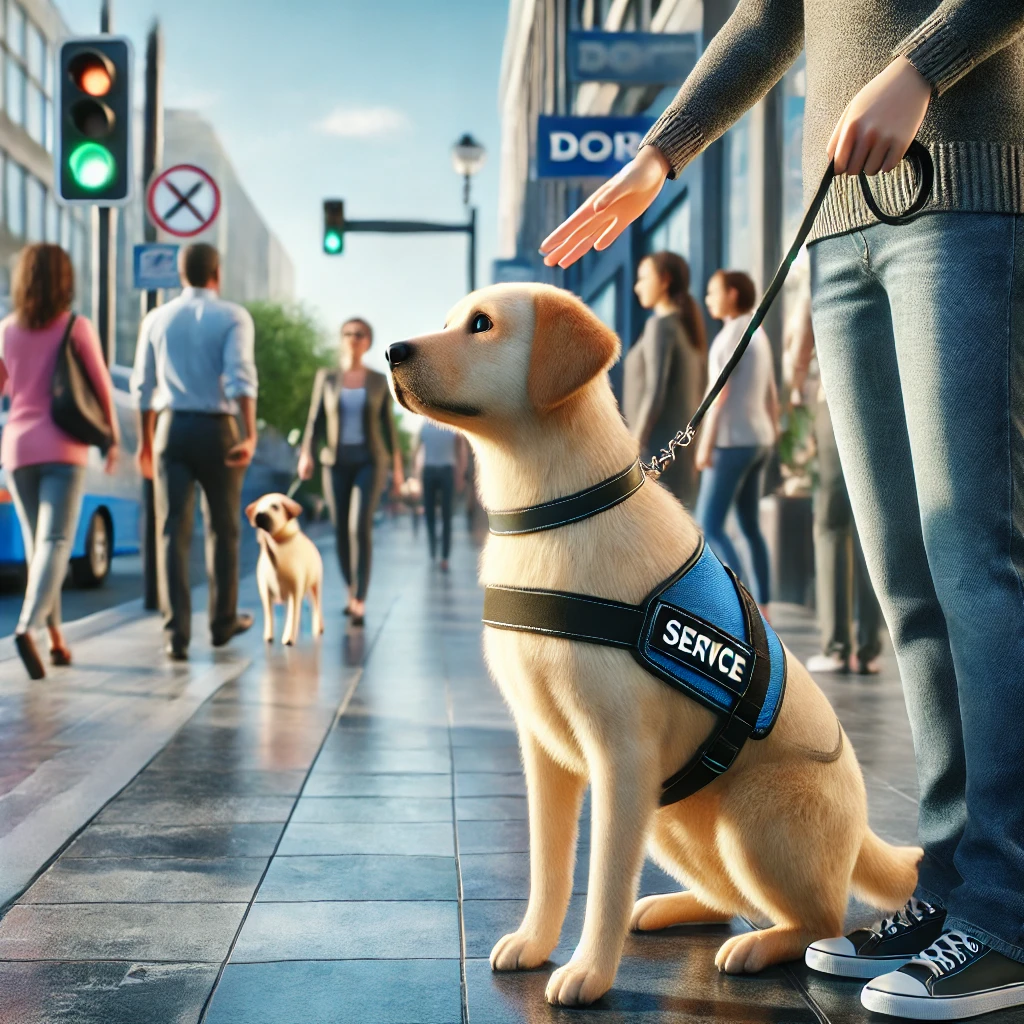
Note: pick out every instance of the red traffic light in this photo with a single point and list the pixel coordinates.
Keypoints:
(92, 73)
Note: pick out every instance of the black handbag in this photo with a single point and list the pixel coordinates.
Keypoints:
(74, 404)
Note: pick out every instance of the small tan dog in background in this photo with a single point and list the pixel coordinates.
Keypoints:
(289, 567)
(782, 836)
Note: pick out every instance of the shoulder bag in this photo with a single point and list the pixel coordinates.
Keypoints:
(74, 404)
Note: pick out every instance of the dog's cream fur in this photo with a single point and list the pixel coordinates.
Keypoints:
(783, 836)
(289, 567)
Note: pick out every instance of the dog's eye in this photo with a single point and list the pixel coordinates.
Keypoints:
(275, 506)
(480, 323)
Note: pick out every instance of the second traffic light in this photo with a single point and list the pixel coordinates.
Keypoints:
(93, 150)
(334, 227)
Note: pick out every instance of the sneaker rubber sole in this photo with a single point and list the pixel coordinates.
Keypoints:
(942, 1007)
(863, 967)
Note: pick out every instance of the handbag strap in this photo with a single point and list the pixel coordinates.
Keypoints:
(66, 340)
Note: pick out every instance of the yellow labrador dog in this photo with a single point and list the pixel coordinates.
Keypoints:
(289, 567)
(783, 835)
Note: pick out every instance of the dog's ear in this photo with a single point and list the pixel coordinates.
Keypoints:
(570, 348)
(250, 513)
(292, 507)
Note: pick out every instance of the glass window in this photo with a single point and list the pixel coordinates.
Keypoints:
(53, 212)
(672, 232)
(48, 125)
(15, 92)
(35, 114)
(36, 53)
(66, 216)
(794, 90)
(35, 210)
(15, 189)
(739, 254)
(605, 303)
(16, 28)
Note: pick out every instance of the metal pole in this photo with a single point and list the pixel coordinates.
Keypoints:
(152, 158)
(472, 248)
(153, 143)
(106, 270)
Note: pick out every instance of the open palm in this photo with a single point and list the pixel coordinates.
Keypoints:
(609, 211)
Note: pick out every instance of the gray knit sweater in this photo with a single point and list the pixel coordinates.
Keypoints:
(971, 51)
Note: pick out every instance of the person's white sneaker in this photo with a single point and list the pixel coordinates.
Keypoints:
(954, 978)
(827, 663)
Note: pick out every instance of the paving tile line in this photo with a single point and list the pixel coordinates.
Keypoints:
(463, 982)
(342, 708)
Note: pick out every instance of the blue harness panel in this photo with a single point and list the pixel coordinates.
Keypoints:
(695, 637)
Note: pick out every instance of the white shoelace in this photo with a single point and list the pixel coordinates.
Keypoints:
(913, 913)
(949, 952)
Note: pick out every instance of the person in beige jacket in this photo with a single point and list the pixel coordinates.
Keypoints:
(351, 415)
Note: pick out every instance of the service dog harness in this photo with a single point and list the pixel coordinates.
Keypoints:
(700, 631)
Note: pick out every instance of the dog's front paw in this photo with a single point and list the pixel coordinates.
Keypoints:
(578, 983)
(519, 951)
(268, 638)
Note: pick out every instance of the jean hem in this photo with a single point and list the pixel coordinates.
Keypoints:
(993, 941)
(927, 896)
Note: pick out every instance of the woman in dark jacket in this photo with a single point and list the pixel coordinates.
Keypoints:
(665, 371)
(351, 414)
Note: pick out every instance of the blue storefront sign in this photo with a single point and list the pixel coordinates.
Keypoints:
(587, 147)
(156, 266)
(512, 272)
(631, 58)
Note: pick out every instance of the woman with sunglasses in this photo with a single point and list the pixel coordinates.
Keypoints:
(351, 415)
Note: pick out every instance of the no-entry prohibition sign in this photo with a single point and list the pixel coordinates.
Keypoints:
(183, 200)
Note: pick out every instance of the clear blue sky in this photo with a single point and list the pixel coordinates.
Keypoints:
(361, 100)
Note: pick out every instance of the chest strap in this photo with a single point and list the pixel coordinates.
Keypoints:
(615, 624)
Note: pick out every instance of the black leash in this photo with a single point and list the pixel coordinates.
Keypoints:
(918, 155)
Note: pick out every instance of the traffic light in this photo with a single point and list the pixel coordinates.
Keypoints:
(334, 227)
(93, 147)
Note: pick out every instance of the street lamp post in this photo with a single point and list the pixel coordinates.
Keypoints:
(467, 158)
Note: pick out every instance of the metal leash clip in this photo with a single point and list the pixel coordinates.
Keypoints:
(666, 455)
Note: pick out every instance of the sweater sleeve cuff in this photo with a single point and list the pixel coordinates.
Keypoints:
(938, 53)
(678, 137)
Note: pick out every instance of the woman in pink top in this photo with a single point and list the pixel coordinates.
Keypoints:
(45, 466)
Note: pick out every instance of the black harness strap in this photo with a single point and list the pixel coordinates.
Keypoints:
(569, 509)
(722, 748)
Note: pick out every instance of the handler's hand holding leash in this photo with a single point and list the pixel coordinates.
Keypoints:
(877, 130)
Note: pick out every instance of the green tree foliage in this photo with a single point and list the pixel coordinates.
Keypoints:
(290, 348)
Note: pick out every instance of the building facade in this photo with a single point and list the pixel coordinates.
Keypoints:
(29, 31)
(735, 206)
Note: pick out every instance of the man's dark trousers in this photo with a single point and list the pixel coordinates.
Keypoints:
(189, 448)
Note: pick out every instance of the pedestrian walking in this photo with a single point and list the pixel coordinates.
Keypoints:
(665, 371)
(194, 375)
(45, 465)
(739, 433)
(441, 455)
(920, 338)
(352, 416)
(844, 590)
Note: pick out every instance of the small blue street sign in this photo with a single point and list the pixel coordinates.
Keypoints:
(587, 147)
(156, 266)
(631, 58)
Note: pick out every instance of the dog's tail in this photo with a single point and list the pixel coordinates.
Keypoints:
(885, 876)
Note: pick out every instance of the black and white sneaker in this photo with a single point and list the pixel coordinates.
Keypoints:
(870, 952)
(955, 977)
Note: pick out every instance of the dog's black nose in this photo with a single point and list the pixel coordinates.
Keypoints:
(398, 353)
(263, 521)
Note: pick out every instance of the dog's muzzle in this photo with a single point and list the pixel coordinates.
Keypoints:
(263, 521)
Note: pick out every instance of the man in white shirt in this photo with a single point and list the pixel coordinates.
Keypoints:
(194, 374)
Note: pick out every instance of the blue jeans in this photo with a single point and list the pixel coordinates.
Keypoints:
(920, 337)
(735, 476)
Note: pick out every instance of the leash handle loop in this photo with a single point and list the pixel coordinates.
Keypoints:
(917, 154)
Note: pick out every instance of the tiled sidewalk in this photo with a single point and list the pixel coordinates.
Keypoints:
(279, 863)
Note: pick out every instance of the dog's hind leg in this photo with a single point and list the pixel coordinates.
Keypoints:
(554, 797)
(668, 909)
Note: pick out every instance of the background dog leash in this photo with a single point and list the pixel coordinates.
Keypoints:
(918, 155)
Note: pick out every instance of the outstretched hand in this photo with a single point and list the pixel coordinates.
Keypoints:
(609, 211)
(881, 121)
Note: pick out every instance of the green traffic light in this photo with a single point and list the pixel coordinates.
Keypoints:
(332, 242)
(92, 166)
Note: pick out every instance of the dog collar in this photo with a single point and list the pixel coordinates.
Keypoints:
(570, 509)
